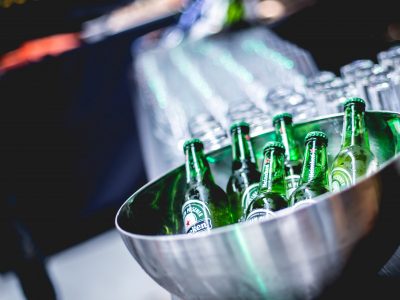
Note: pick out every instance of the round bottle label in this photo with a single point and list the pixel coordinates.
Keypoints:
(292, 182)
(340, 179)
(260, 214)
(196, 216)
(249, 195)
(303, 203)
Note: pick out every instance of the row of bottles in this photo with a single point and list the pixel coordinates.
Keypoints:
(286, 179)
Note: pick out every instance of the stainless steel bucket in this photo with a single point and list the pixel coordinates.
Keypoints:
(299, 254)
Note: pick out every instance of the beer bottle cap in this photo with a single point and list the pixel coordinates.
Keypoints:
(195, 142)
(274, 145)
(321, 136)
(285, 116)
(239, 124)
(354, 100)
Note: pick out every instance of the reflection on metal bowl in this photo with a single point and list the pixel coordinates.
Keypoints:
(298, 254)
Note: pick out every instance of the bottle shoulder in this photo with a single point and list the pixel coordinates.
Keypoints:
(195, 191)
(246, 169)
(355, 148)
(269, 200)
(271, 195)
(354, 153)
(203, 190)
(240, 178)
(307, 191)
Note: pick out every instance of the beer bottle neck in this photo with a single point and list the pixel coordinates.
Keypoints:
(197, 167)
(315, 164)
(242, 150)
(273, 173)
(355, 132)
(284, 134)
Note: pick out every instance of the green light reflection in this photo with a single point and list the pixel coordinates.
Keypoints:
(212, 159)
(394, 125)
(226, 60)
(155, 82)
(185, 66)
(246, 254)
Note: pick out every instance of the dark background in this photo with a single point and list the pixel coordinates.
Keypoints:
(70, 153)
(69, 146)
(38, 18)
(337, 32)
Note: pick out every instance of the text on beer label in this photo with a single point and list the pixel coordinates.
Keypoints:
(249, 194)
(340, 179)
(196, 216)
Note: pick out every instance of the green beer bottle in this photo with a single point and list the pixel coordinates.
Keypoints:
(205, 205)
(243, 183)
(272, 186)
(283, 124)
(235, 12)
(355, 158)
(314, 174)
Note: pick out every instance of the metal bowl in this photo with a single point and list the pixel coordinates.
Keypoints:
(299, 254)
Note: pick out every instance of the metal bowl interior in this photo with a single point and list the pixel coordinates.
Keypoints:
(297, 254)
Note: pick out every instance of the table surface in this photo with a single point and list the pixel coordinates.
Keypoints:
(100, 268)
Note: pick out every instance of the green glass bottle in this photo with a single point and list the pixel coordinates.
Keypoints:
(235, 12)
(243, 183)
(355, 158)
(283, 124)
(314, 174)
(205, 205)
(272, 187)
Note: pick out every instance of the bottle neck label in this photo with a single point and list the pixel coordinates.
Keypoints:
(196, 216)
(260, 214)
(303, 203)
(249, 195)
(292, 182)
(341, 178)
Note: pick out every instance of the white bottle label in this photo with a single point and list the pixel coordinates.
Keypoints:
(196, 216)
(260, 214)
(303, 203)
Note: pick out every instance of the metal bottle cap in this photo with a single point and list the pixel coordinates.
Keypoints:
(321, 136)
(285, 115)
(354, 100)
(195, 142)
(241, 124)
(274, 145)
